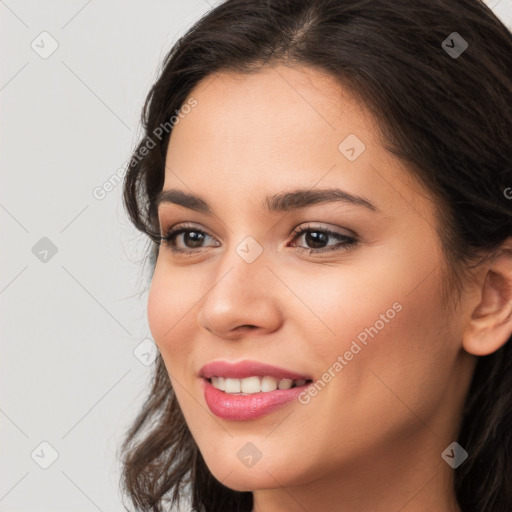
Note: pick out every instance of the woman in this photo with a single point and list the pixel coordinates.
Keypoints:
(326, 188)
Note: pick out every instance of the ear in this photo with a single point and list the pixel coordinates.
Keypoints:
(490, 325)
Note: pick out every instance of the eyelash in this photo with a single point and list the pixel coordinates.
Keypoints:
(346, 241)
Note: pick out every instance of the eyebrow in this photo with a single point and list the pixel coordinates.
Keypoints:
(283, 202)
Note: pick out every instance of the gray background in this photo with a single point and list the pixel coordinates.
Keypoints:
(76, 350)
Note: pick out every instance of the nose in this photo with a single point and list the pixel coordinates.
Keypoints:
(241, 297)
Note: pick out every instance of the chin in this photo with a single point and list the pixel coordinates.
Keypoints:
(262, 475)
(244, 480)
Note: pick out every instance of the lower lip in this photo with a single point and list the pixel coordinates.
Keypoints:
(247, 407)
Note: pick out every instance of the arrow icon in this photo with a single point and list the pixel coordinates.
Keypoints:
(454, 45)
(249, 455)
(44, 44)
(249, 253)
(454, 455)
(146, 352)
(44, 250)
(351, 147)
(44, 455)
(451, 455)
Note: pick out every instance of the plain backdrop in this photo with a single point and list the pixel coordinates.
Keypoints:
(76, 350)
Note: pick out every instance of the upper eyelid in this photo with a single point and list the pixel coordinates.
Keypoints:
(295, 232)
(192, 225)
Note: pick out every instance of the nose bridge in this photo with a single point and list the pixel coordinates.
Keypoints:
(244, 262)
(240, 271)
(241, 292)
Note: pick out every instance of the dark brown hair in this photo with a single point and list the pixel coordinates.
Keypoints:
(447, 117)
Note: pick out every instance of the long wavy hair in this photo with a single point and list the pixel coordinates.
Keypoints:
(448, 117)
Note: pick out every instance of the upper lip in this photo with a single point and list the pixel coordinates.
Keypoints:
(243, 369)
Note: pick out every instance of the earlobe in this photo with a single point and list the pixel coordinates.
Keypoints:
(490, 325)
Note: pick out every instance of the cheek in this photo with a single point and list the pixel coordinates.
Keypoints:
(337, 307)
(159, 309)
(385, 321)
(170, 300)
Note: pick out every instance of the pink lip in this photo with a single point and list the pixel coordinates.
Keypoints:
(247, 407)
(251, 406)
(247, 368)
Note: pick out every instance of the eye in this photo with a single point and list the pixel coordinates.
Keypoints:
(187, 239)
(190, 237)
(318, 237)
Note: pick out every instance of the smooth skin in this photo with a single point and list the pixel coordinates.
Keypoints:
(372, 438)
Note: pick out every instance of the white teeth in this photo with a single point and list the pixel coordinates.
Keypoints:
(268, 384)
(250, 385)
(219, 383)
(285, 384)
(232, 386)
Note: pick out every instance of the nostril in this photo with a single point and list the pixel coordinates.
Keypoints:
(244, 327)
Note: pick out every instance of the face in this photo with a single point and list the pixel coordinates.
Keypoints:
(343, 291)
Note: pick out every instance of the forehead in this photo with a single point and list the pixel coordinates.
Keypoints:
(277, 105)
(272, 120)
(251, 135)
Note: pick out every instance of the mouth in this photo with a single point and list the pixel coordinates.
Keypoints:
(248, 389)
(254, 384)
(237, 405)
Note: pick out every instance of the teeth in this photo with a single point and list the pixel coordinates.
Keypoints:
(219, 383)
(268, 384)
(251, 385)
(232, 386)
(285, 384)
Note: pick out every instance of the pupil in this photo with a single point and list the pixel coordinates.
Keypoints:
(194, 237)
(315, 237)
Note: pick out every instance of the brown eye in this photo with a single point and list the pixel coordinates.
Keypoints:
(317, 240)
(185, 239)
